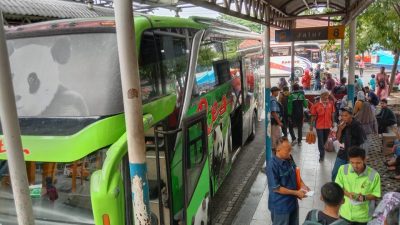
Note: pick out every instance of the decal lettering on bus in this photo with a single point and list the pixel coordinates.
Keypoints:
(216, 110)
(3, 150)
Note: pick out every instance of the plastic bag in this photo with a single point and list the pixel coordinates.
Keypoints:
(311, 138)
(336, 145)
(329, 147)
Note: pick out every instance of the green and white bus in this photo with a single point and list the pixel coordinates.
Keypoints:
(199, 84)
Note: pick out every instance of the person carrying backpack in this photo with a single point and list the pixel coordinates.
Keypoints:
(333, 197)
(284, 99)
(296, 103)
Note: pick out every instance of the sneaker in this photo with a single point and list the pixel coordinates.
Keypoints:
(321, 160)
(294, 142)
(299, 143)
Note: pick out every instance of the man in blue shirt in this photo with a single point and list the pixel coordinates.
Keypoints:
(282, 185)
(276, 117)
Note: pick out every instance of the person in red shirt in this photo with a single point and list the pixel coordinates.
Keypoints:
(322, 114)
(306, 80)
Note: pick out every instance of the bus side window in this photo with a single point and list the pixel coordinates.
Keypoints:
(148, 68)
(206, 78)
(174, 53)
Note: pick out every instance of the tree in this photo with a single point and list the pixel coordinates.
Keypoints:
(382, 25)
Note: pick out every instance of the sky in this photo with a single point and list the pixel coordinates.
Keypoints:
(187, 12)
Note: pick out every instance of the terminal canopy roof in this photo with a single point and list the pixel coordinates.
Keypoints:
(283, 12)
(277, 13)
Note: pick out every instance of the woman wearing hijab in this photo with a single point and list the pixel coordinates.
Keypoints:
(359, 102)
(367, 119)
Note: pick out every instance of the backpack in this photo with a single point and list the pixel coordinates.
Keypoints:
(273, 121)
(314, 219)
(297, 112)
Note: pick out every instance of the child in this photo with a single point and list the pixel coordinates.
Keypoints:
(333, 197)
(51, 191)
(372, 82)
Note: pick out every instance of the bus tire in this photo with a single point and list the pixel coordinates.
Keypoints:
(253, 126)
(298, 71)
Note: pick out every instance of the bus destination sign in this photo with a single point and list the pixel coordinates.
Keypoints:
(309, 34)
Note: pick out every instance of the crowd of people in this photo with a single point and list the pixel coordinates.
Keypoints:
(350, 196)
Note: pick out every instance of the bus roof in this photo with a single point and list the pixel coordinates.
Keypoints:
(155, 21)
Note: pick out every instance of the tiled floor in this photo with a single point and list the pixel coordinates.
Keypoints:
(313, 173)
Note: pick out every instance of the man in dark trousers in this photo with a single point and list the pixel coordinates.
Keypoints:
(282, 185)
(323, 114)
(283, 99)
(350, 133)
(385, 117)
(296, 103)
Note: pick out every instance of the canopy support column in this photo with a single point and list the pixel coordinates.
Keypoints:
(292, 51)
(12, 136)
(132, 97)
(267, 92)
(352, 56)
(341, 58)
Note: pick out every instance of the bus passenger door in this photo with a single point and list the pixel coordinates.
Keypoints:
(246, 98)
(195, 171)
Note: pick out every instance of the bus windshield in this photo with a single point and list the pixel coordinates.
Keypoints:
(66, 75)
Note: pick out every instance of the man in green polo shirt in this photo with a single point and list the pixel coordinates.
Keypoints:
(361, 185)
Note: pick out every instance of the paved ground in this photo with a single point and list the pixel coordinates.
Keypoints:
(243, 197)
(254, 209)
(236, 186)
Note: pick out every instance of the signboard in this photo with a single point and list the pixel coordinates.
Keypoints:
(309, 34)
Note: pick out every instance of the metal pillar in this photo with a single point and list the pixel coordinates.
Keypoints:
(12, 136)
(292, 51)
(131, 91)
(267, 92)
(292, 64)
(341, 58)
(352, 57)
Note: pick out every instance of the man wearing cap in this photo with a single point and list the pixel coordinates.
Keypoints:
(276, 117)
(350, 133)
(323, 114)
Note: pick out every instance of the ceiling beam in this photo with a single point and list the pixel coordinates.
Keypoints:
(252, 11)
(306, 4)
(310, 16)
(301, 8)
